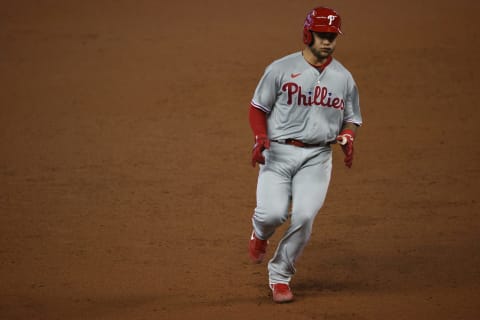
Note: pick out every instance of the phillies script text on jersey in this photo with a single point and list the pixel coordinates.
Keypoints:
(320, 97)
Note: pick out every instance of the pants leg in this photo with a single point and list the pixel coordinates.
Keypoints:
(309, 189)
(273, 199)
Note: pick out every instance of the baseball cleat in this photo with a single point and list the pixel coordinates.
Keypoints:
(257, 248)
(281, 292)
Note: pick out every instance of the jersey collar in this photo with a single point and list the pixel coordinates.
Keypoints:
(323, 65)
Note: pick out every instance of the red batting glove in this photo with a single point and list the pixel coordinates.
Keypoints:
(261, 143)
(345, 139)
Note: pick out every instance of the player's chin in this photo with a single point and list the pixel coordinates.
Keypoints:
(326, 52)
(323, 54)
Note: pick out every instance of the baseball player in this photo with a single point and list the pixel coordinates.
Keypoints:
(304, 103)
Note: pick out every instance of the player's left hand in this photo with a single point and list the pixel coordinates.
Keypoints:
(261, 143)
(345, 139)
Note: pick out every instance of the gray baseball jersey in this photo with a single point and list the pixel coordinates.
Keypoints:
(305, 104)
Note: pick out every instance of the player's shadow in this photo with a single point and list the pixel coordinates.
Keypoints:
(309, 287)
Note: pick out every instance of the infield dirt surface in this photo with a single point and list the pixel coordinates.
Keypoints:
(126, 186)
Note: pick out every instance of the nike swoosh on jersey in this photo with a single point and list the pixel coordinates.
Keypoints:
(294, 75)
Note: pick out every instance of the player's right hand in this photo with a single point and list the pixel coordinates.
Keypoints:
(261, 143)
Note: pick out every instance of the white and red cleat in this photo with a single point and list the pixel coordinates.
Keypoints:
(281, 292)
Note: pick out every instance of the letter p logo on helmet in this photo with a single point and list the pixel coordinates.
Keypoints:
(331, 18)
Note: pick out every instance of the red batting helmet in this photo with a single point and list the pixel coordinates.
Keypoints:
(321, 19)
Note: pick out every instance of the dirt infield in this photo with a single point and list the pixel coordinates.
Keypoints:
(126, 187)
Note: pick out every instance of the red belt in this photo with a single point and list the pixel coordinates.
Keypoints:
(299, 143)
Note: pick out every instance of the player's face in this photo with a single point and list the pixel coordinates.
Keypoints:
(324, 44)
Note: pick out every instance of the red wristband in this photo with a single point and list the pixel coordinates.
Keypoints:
(348, 131)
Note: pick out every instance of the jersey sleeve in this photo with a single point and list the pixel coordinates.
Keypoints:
(352, 112)
(266, 91)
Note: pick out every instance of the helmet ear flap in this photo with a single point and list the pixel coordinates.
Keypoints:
(307, 37)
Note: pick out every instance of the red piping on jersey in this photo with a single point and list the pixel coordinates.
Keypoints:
(258, 121)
